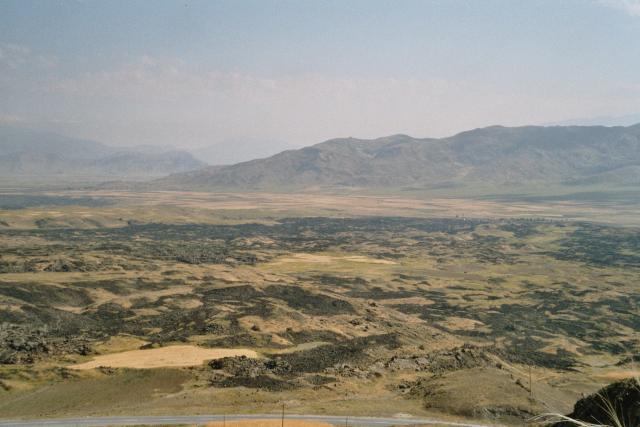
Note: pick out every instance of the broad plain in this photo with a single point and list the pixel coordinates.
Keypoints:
(125, 302)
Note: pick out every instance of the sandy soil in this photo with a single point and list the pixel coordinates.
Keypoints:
(172, 356)
(461, 324)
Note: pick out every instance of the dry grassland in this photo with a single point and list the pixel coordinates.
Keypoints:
(172, 356)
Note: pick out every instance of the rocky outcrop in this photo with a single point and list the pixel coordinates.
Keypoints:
(24, 346)
(242, 366)
(464, 357)
(617, 404)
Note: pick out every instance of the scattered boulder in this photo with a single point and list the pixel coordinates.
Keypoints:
(22, 348)
(242, 366)
(349, 371)
(22, 345)
(354, 352)
(69, 265)
(464, 357)
(241, 371)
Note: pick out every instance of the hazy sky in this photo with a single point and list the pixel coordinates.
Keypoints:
(191, 73)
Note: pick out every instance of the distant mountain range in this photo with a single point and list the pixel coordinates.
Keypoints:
(231, 151)
(497, 156)
(574, 156)
(626, 120)
(26, 153)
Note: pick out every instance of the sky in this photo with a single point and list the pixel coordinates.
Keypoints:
(198, 73)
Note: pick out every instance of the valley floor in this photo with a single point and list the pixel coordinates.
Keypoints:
(124, 303)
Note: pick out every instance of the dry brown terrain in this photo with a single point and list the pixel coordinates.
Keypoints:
(165, 357)
(355, 305)
(235, 208)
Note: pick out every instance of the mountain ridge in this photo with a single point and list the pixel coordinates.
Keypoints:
(496, 155)
(34, 153)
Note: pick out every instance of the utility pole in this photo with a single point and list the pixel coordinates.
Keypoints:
(530, 384)
(224, 420)
(282, 423)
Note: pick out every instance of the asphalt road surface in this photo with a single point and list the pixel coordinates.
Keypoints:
(202, 419)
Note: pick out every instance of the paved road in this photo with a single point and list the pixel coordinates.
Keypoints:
(201, 419)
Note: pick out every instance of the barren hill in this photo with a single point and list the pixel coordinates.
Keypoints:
(501, 156)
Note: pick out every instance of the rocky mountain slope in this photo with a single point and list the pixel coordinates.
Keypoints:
(499, 156)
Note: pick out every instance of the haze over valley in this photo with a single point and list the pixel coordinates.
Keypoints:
(261, 213)
(26, 154)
